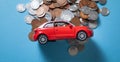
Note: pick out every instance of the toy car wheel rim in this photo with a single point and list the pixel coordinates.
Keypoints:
(82, 36)
(42, 39)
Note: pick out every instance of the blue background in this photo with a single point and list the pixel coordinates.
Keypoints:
(16, 47)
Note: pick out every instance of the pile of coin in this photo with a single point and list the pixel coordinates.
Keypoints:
(78, 12)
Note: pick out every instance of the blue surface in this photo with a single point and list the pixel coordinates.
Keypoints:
(16, 47)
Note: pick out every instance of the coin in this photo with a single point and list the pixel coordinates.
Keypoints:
(77, 1)
(30, 36)
(40, 2)
(20, 8)
(52, 6)
(46, 8)
(61, 2)
(48, 16)
(73, 50)
(34, 4)
(40, 12)
(30, 10)
(84, 2)
(57, 12)
(56, 4)
(104, 11)
(93, 15)
(102, 2)
(75, 21)
(28, 19)
(85, 9)
(84, 16)
(93, 5)
(66, 15)
(92, 24)
(83, 22)
(73, 7)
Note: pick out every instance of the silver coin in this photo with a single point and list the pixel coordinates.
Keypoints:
(102, 2)
(92, 24)
(66, 15)
(48, 16)
(34, 4)
(77, 1)
(73, 50)
(85, 10)
(28, 19)
(93, 15)
(104, 11)
(41, 15)
(40, 2)
(20, 8)
(30, 10)
(73, 7)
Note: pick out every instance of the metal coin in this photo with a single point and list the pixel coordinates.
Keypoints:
(28, 19)
(83, 22)
(85, 10)
(29, 9)
(93, 15)
(92, 24)
(48, 16)
(77, 1)
(73, 7)
(73, 50)
(102, 2)
(104, 11)
(75, 21)
(40, 2)
(40, 12)
(66, 15)
(57, 12)
(93, 5)
(34, 4)
(20, 8)
(84, 16)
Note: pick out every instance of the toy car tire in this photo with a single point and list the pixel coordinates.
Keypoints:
(82, 36)
(42, 39)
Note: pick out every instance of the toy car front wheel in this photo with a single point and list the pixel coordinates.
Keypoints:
(82, 35)
(42, 39)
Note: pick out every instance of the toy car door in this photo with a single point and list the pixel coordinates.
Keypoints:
(63, 30)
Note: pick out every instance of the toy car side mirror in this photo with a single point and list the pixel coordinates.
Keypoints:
(70, 26)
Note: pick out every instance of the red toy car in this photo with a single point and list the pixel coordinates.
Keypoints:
(59, 30)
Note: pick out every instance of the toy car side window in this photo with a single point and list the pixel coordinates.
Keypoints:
(60, 24)
(48, 25)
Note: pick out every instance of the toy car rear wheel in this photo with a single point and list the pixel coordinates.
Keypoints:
(42, 39)
(82, 35)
